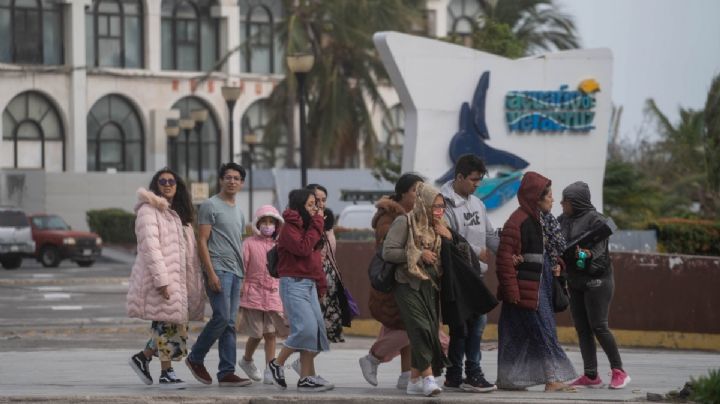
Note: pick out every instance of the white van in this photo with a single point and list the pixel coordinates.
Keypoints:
(355, 222)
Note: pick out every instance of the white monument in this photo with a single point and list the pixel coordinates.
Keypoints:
(548, 113)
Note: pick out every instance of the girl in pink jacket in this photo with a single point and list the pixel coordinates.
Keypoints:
(261, 311)
(165, 284)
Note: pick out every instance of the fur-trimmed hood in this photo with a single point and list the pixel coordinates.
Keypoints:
(387, 206)
(149, 197)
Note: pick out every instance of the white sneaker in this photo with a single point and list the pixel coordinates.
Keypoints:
(249, 368)
(321, 381)
(267, 376)
(403, 380)
(415, 388)
(296, 366)
(430, 387)
(368, 366)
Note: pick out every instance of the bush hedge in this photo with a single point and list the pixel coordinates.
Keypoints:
(113, 225)
(687, 236)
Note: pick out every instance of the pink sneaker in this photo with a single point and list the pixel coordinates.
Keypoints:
(619, 380)
(585, 381)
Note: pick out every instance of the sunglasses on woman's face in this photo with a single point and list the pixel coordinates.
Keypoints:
(166, 182)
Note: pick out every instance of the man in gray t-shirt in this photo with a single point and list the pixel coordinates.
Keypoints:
(220, 228)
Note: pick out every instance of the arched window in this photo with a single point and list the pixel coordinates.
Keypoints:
(462, 17)
(115, 136)
(33, 134)
(393, 129)
(189, 35)
(195, 153)
(31, 32)
(114, 33)
(271, 147)
(261, 51)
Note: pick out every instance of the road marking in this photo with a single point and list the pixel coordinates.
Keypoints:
(43, 276)
(49, 288)
(65, 308)
(56, 296)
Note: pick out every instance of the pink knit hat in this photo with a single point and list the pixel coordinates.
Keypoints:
(265, 211)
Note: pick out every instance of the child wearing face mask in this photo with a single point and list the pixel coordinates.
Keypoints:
(261, 311)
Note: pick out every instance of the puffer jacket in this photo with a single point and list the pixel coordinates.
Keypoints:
(522, 235)
(260, 291)
(382, 305)
(166, 256)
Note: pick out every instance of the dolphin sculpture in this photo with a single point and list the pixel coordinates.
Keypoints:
(472, 133)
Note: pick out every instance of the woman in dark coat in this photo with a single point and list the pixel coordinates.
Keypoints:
(528, 349)
(591, 288)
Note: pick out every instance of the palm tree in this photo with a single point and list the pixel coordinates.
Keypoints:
(342, 88)
(538, 24)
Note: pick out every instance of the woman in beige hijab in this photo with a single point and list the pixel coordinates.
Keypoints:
(413, 243)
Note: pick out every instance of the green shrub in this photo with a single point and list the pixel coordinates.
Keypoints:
(706, 389)
(113, 225)
(687, 236)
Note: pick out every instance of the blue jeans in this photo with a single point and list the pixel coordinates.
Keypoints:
(465, 341)
(221, 326)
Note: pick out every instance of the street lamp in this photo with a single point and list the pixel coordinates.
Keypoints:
(251, 141)
(231, 95)
(199, 116)
(186, 125)
(301, 64)
(172, 128)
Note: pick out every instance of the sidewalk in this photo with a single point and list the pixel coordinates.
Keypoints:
(102, 375)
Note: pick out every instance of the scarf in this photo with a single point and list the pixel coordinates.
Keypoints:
(553, 238)
(421, 233)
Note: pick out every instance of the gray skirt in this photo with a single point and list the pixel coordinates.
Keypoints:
(303, 314)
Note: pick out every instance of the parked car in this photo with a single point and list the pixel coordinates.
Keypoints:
(15, 237)
(355, 223)
(56, 241)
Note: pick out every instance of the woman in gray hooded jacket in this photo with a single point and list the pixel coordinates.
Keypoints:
(591, 288)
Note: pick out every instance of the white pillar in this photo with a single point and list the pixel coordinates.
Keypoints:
(76, 142)
(157, 138)
(229, 13)
(153, 38)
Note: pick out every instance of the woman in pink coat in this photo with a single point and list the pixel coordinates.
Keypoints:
(165, 285)
(261, 310)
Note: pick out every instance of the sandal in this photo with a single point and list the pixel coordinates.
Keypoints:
(560, 388)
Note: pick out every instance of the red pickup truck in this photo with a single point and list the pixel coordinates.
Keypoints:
(56, 241)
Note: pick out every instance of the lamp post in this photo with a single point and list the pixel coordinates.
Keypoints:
(251, 142)
(172, 130)
(199, 116)
(186, 124)
(301, 64)
(231, 95)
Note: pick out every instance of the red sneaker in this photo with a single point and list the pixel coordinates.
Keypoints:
(619, 380)
(199, 372)
(585, 381)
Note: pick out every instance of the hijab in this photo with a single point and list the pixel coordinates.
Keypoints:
(421, 232)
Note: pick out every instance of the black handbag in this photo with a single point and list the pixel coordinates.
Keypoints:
(382, 274)
(272, 262)
(560, 297)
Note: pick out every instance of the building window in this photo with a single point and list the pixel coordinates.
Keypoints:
(195, 153)
(33, 133)
(114, 33)
(271, 148)
(261, 51)
(116, 139)
(189, 35)
(393, 130)
(31, 32)
(462, 17)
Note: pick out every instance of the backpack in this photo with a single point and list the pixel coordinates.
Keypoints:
(272, 262)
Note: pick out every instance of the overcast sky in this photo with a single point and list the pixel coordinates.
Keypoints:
(668, 50)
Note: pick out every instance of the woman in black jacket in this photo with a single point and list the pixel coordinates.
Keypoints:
(591, 287)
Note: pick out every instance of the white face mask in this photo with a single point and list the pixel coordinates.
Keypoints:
(267, 230)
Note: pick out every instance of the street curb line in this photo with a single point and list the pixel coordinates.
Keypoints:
(567, 335)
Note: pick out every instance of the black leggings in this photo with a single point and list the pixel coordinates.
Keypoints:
(589, 307)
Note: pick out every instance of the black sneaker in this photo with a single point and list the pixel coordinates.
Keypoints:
(309, 384)
(168, 379)
(139, 363)
(452, 384)
(477, 384)
(278, 374)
